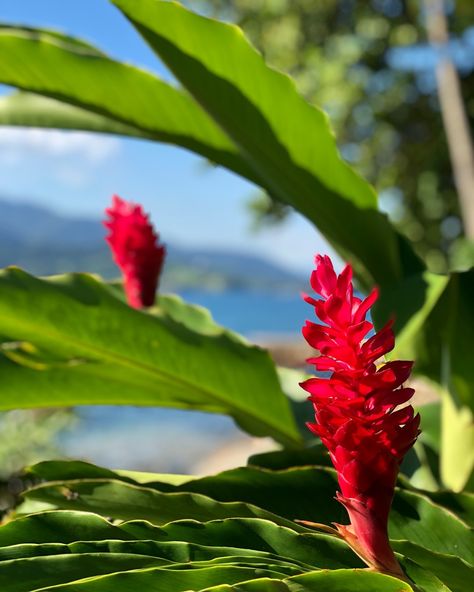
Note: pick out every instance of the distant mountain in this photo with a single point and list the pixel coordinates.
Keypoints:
(43, 243)
(32, 225)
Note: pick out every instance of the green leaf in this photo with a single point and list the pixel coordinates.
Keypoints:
(453, 320)
(41, 535)
(78, 332)
(170, 552)
(24, 567)
(451, 570)
(193, 316)
(290, 493)
(249, 485)
(457, 443)
(444, 348)
(316, 455)
(295, 156)
(416, 518)
(324, 581)
(53, 36)
(59, 527)
(158, 580)
(412, 313)
(119, 92)
(318, 550)
(425, 580)
(30, 110)
(142, 477)
(24, 575)
(55, 470)
(277, 566)
(127, 501)
(434, 328)
(461, 504)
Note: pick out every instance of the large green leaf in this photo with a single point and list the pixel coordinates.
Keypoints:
(128, 99)
(287, 141)
(78, 333)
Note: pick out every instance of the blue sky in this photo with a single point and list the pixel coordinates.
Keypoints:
(76, 173)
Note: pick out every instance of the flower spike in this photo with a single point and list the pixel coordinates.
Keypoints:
(361, 411)
(135, 250)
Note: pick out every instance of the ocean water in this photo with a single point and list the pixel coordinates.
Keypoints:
(255, 313)
(170, 440)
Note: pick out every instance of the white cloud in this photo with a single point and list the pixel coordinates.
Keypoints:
(18, 144)
(72, 176)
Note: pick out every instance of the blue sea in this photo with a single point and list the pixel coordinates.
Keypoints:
(169, 440)
(254, 313)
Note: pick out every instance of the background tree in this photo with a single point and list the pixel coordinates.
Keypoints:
(368, 64)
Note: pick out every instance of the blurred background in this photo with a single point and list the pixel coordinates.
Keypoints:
(230, 248)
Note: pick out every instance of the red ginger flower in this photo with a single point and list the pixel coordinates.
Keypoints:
(357, 410)
(136, 251)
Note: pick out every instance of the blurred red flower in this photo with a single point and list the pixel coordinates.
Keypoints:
(135, 250)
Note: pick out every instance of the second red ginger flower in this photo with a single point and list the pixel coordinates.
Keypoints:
(136, 251)
(361, 414)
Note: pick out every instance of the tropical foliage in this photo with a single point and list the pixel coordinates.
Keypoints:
(105, 530)
(73, 340)
(368, 66)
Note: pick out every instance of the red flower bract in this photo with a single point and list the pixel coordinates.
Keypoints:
(361, 414)
(136, 251)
